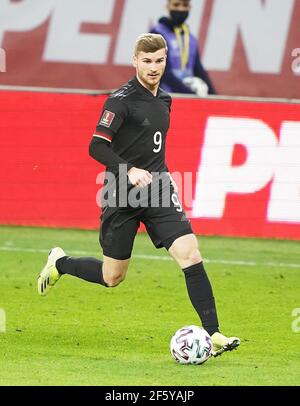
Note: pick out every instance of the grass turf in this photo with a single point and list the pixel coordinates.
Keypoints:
(83, 334)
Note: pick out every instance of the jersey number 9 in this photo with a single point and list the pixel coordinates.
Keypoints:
(157, 141)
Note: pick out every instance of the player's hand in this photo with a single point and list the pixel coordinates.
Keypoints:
(139, 177)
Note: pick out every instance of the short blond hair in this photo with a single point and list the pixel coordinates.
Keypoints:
(150, 43)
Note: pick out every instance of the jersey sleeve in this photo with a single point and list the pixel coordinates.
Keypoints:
(112, 117)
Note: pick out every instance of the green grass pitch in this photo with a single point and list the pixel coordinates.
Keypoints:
(83, 334)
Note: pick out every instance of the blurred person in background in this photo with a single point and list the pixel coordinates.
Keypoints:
(184, 72)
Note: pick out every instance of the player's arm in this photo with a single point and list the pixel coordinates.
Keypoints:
(101, 151)
(112, 117)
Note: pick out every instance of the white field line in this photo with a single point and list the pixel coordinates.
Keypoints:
(162, 258)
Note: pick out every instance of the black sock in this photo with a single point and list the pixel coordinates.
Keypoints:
(89, 269)
(201, 296)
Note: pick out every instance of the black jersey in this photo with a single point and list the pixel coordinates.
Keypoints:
(136, 122)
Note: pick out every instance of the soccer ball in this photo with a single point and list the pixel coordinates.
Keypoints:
(191, 345)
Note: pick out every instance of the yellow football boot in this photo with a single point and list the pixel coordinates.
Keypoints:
(50, 275)
(222, 343)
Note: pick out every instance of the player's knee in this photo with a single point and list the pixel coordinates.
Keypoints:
(190, 255)
(193, 256)
(114, 273)
(113, 281)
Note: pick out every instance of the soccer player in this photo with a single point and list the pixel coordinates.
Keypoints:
(131, 136)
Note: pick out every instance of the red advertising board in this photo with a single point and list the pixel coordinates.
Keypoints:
(237, 163)
(249, 47)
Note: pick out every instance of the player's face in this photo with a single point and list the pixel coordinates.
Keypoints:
(150, 67)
